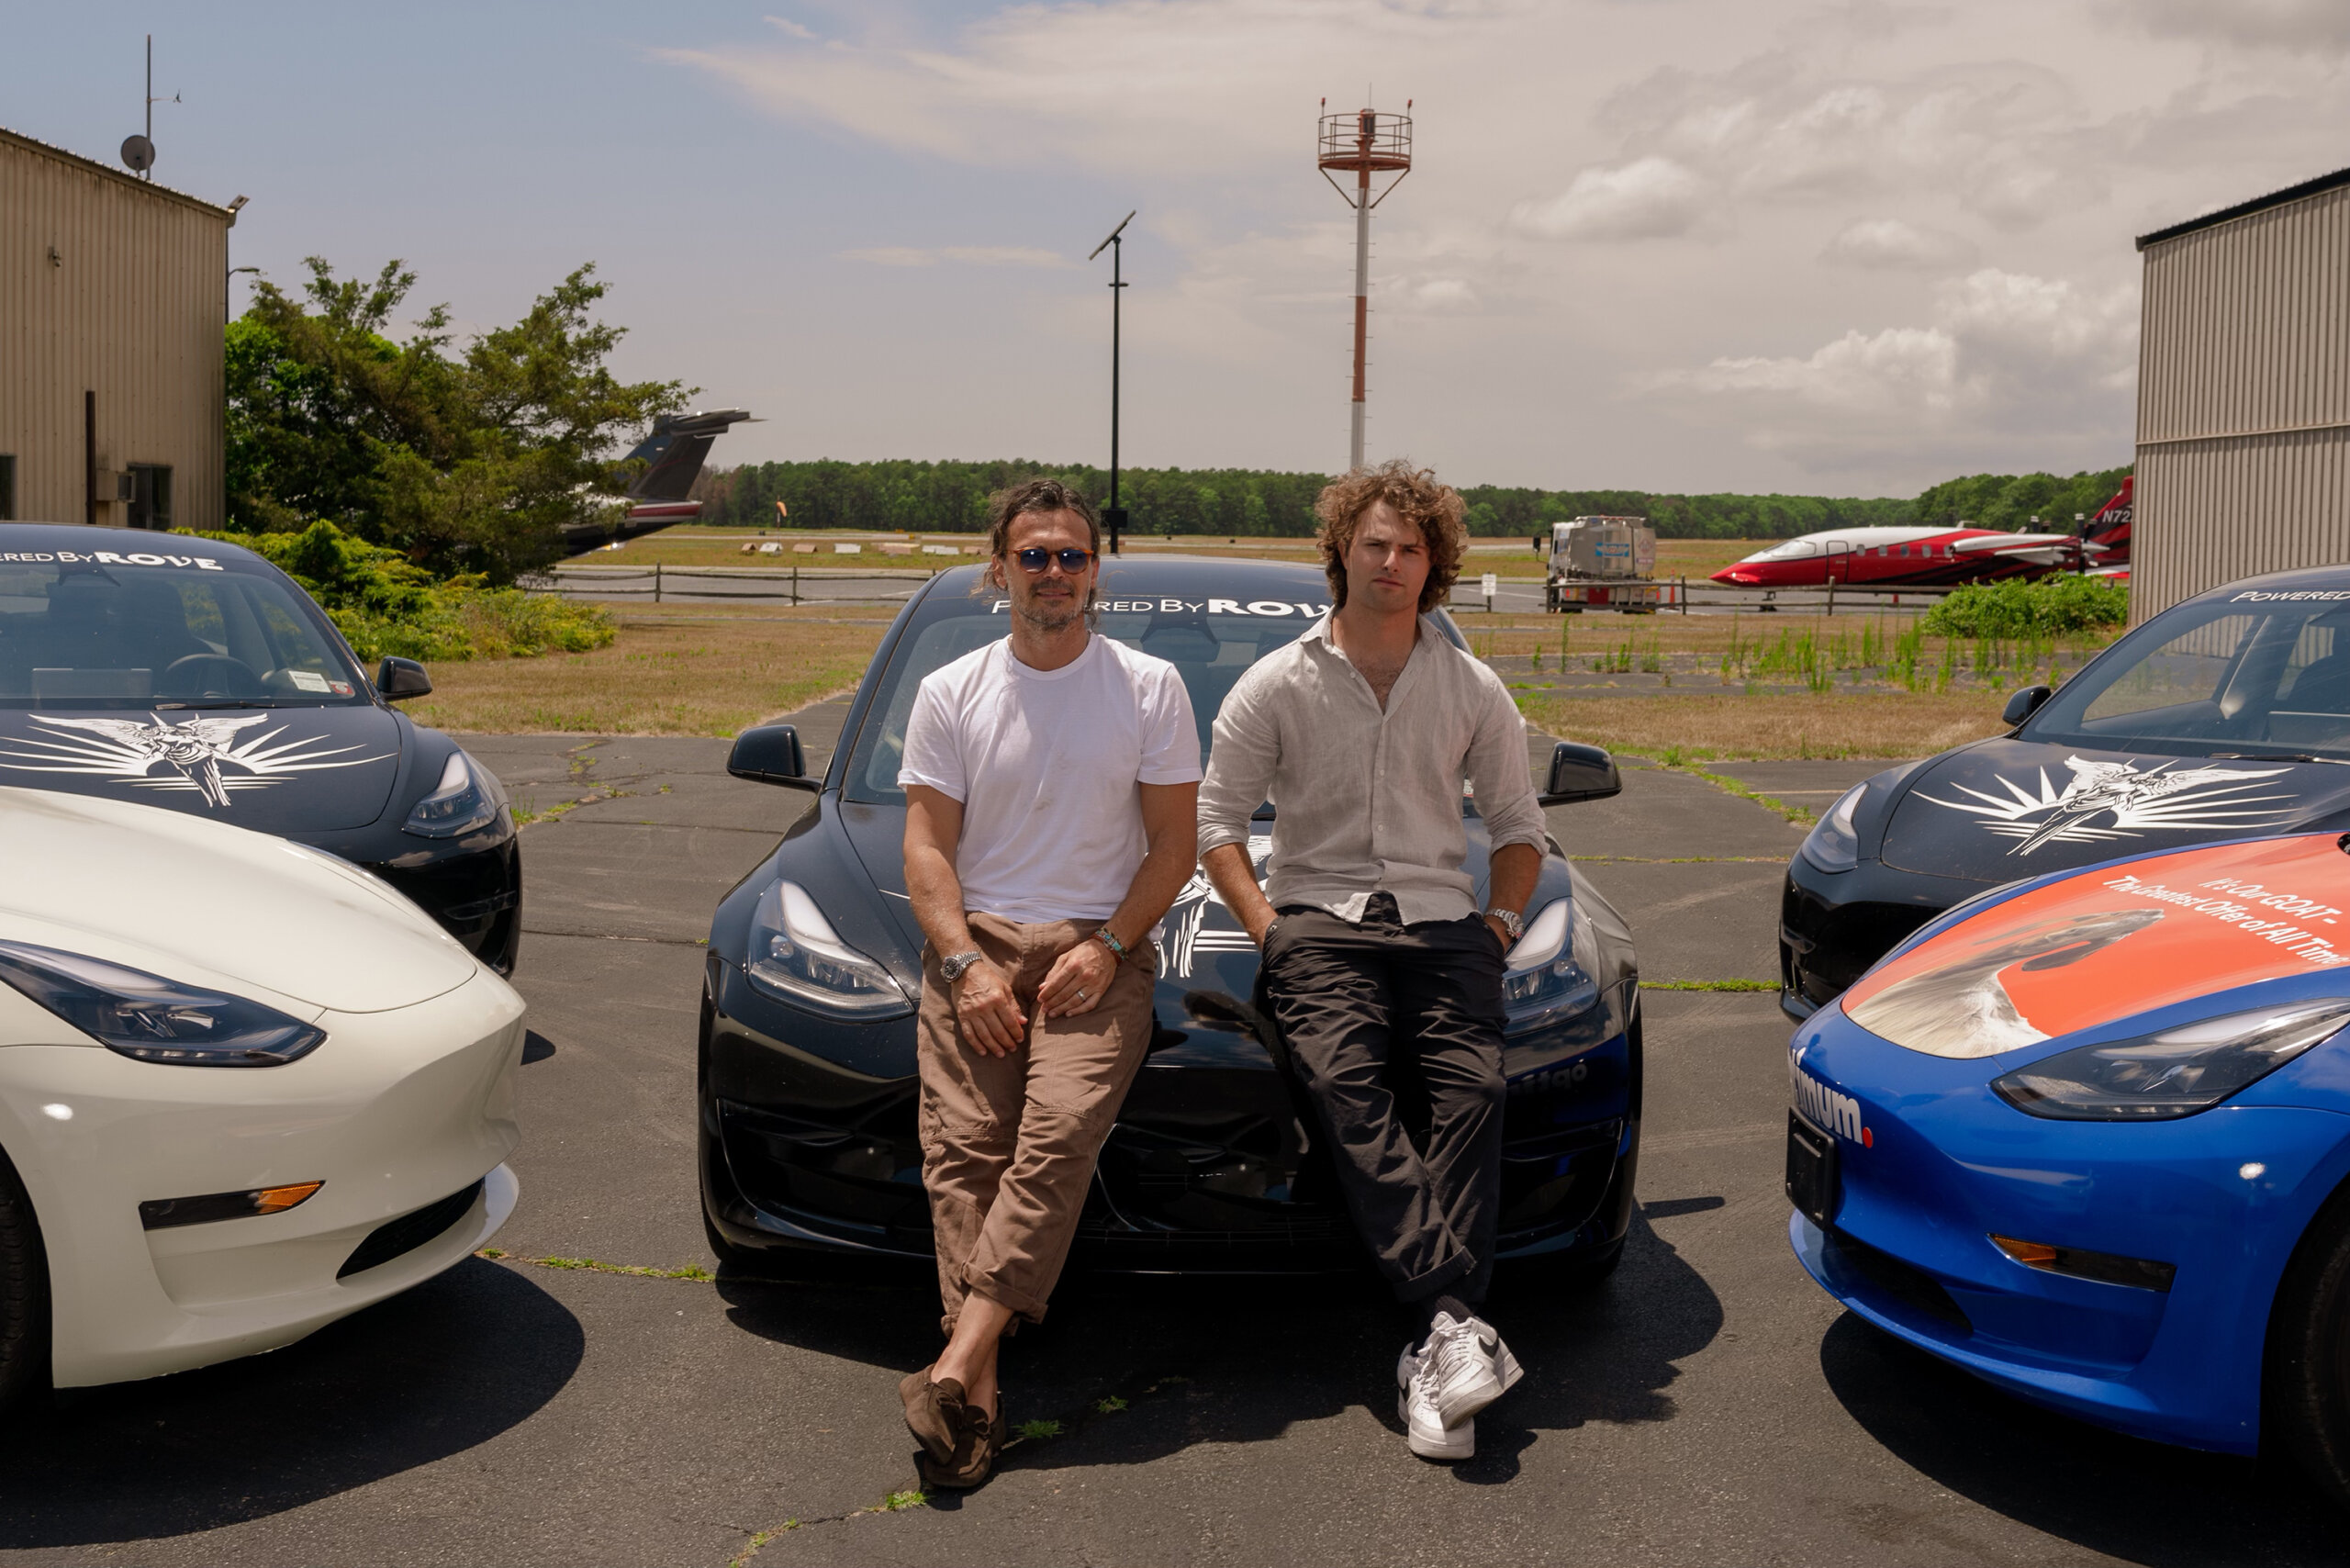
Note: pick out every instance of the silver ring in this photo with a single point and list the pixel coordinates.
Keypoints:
(1080, 993)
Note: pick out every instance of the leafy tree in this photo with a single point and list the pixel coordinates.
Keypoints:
(2011, 502)
(461, 459)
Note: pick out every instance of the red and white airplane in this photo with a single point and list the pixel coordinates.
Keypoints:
(1939, 557)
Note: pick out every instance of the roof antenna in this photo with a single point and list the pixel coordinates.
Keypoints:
(139, 152)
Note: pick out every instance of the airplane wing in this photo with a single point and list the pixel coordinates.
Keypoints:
(2012, 543)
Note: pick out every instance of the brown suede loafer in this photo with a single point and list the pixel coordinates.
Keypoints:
(976, 1448)
(933, 1414)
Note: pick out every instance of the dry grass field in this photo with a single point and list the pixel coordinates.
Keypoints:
(1762, 686)
(682, 673)
(1730, 726)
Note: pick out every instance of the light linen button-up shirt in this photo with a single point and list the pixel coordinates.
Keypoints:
(1368, 800)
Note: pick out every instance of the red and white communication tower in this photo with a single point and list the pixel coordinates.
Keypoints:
(1364, 143)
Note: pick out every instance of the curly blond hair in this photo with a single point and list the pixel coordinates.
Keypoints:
(1433, 507)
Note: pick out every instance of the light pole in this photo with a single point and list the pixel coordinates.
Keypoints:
(1114, 516)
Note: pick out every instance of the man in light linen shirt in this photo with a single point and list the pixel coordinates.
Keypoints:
(1375, 954)
(1051, 784)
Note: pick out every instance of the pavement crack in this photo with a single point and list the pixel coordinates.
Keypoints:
(616, 937)
(892, 1502)
(1800, 816)
(693, 1271)
(1680, 860)
(693, 827)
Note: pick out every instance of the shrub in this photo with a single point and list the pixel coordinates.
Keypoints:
(385, 605)
(2044, 608)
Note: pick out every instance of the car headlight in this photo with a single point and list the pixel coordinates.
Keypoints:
(151, 1018)
(1550, 969)
(1832, 844)
(796, 954)
(2172, 1073)
(465, 800)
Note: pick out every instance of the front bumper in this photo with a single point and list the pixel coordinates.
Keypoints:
(475, 894)
(1205, 1169)
(1941, 1165)
(399, 1113)
(1834, 924)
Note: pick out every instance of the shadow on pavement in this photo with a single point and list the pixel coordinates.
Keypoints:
(1137, 1367)
(429, 1373)
(2138, 1501)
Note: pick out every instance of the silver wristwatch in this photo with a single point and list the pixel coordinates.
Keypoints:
(954, 964)
(1512, 922)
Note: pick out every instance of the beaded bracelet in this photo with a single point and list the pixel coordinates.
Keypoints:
(1109, 940)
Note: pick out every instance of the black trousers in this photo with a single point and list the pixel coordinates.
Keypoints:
(1382, 1021)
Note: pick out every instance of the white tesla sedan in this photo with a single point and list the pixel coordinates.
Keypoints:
(245, 1090)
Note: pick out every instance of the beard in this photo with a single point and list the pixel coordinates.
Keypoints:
(1048, 615)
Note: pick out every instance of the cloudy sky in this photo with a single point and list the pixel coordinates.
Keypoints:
(1676, 244)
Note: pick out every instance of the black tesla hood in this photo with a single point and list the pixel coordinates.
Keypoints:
(878, 836)
(279, 770)
(2007, 808)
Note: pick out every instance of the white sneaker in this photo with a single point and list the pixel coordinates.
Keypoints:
(1466, 1365)
(1506, 1368)
(1424, 1430)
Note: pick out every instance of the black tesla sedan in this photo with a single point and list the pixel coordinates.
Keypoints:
(807, 1077)
(192, 675)
(2226, 716)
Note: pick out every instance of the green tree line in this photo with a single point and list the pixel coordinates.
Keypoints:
(906, 497)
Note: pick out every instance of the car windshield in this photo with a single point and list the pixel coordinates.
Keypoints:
(2255, 674)
(116, 630)
(1209, 640)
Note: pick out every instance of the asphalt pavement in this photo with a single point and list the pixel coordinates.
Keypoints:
(1707, 1406)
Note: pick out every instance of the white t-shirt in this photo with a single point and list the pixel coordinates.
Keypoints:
(1045, 764)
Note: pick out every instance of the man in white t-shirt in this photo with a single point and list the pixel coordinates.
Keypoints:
(1051, 781)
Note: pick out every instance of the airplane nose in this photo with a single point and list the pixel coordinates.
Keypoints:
(1731, 575)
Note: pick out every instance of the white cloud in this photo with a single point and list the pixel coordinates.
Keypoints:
(2284, 23)
(791, 28)
(969, 256)
(1650, 198)
(1004, 256)
(2007, 356)
(1916, 367)
(892, 257)
(1888, 244)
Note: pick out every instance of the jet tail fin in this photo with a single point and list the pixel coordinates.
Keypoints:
(673, 453)
(2110, 526)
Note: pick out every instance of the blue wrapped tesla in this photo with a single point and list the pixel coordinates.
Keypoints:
(2088, 1136)
(807, 1081)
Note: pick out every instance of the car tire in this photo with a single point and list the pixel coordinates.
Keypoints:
(2308, 1371)
(24, 1297)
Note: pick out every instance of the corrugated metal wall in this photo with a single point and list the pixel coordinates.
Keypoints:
(112, 286)
(2243, 402)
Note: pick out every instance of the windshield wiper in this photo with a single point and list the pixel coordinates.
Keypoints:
(240, 702)
(2276, 757)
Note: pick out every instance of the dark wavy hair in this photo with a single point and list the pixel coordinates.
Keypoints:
(1433, 507)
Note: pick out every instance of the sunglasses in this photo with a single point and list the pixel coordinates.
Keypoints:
(1034, 562)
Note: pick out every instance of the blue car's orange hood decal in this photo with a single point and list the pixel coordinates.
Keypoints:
(2107, 944)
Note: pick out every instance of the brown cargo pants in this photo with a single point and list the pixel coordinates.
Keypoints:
(1009, 1142)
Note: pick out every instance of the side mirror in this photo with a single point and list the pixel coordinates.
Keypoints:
(396, 678)
(1579, 773)
(771, 754)
(2025, 703)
